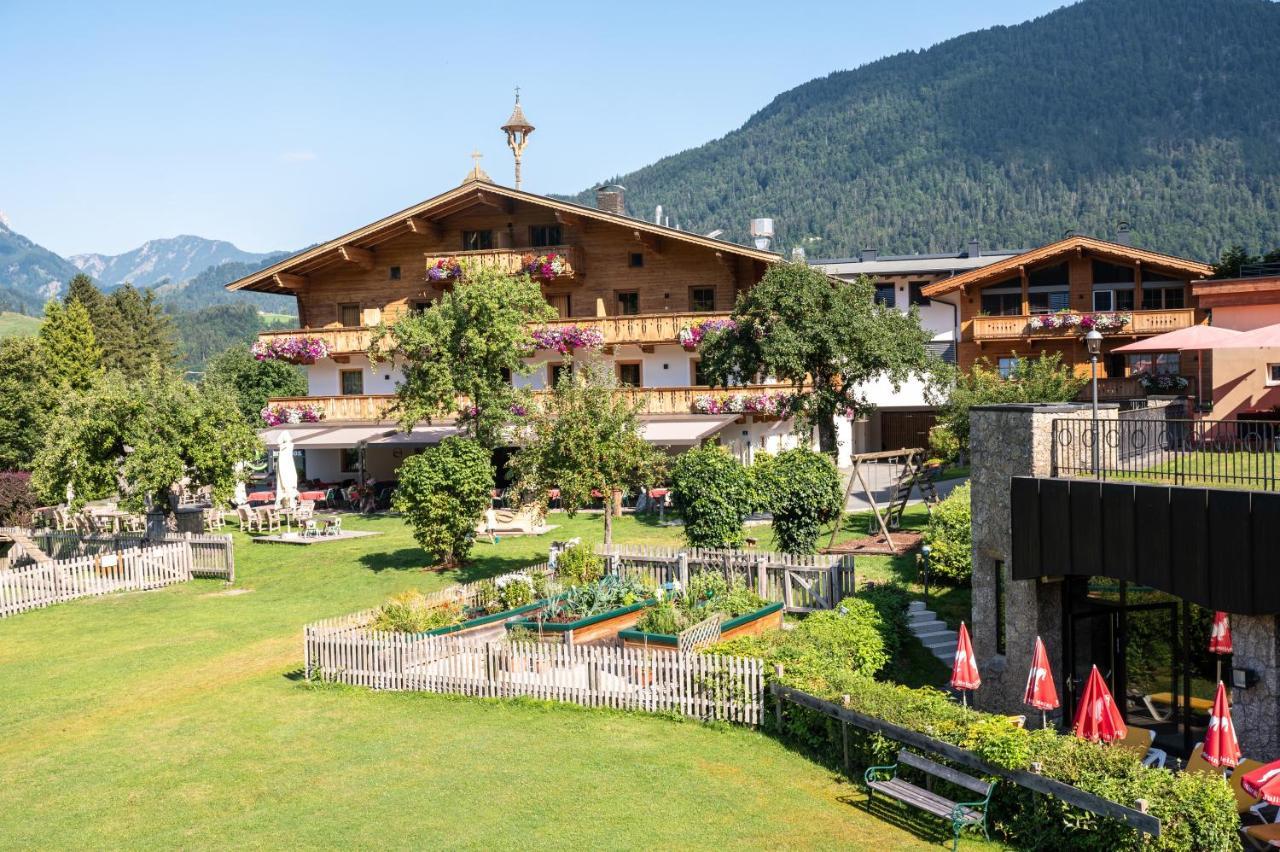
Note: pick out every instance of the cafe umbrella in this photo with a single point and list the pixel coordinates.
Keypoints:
(1097, 718)
(1041, 692)
(964, 671)
(1221, 748)
(1220, 638)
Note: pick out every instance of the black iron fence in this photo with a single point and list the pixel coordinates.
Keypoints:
(1215, 453)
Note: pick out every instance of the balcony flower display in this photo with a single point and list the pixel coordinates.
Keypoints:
(1071, 321)
(547, 266)
(1162, 383)
(445, 269)
(293, 350)
(283, 415)
(763, 404)
(692, 335)
(565, 339)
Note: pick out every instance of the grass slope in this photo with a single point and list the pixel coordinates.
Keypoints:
(13, 325)
(177, 718)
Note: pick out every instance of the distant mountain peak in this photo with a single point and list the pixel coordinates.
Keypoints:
(176, 259)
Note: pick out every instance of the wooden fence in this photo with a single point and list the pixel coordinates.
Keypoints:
(40, 584)
(802, 583)
(211, 555)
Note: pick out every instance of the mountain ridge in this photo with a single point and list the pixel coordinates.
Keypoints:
(168, 259)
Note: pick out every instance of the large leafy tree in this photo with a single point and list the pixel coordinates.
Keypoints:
(69, 347)
(253, 382)
(25, 400)
(136, 438)
(586, 440)
(443, 493)
(459, 355)
(825, 338)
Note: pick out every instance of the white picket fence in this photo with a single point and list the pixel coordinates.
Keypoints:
(803, 583)
(212, 555)
(40, 584)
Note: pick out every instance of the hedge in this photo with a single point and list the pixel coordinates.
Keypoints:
(713, 492)
(950, 535)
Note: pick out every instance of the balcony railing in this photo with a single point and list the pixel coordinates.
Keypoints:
(341, 341)
(375, 407)
(1143, 322)
(1128, 387)
(510, 260)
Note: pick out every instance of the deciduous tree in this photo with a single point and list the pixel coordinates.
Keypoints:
(25, 401)
(253, 382)
(443, 492)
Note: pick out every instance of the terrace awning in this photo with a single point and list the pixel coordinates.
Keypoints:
(421, 436)
(315, 436)
(1259, 338)
(1191, 337)
(683, 431)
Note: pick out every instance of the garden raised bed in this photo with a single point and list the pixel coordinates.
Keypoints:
(492, 621)
(589, 629)
(764, 619)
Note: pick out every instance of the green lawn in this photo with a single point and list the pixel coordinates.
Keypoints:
(178, 718)
(1244, 470)
(13, 325)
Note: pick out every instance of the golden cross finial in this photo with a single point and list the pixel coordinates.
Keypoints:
(475, 157)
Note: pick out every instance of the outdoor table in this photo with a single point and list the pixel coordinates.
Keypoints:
(115, 516)
(310, 495)
(262, 497)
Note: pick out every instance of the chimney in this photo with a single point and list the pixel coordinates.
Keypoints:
(609, 198)
(761, 231)
(1123, 235)
(975, 247)
(868, 254)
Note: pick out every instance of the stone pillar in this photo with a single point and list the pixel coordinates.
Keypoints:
(1007, 441)
(1255, 711)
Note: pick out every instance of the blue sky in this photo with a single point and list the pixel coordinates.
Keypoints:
(274, 125)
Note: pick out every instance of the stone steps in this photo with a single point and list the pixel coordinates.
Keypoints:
(932, 633)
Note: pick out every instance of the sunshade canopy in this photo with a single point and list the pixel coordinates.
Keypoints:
(1192, 337)
(1261, 338)
(683, 431)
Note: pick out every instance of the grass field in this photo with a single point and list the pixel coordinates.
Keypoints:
(178, 718)
(12, 325)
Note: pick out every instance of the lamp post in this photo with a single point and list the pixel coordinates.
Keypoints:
(1093, 341)
(924, 552)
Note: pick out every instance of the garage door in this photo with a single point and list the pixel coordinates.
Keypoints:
(901, 429)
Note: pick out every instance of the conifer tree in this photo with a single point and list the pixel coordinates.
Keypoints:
(72, 356)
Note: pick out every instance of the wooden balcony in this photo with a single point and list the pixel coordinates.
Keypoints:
(509, 260)
(1144, 322)
(341, 341)
(1127, 387)
(373, 408)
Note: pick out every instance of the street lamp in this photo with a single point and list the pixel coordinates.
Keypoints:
(924, 552)
(1093, 341)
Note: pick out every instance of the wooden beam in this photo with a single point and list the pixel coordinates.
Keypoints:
(360, 257)
(289, 281)
(571, 219)
(649, 241)
(506, 205)
(425, 227)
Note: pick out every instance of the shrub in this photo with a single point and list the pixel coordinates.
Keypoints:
(708, 594)
(578, 566)
(410, 612)
(891, 603)
(443, 493)
(712, 490)
(802, 491)
(17, 501)
(950, 535)
(943, 443)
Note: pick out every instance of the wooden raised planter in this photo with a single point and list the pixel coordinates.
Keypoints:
(590, 629)
(493, 622)
(762, 620)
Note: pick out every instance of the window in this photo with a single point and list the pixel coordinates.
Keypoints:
(1110, 273)
(1048, 301)
(1104, 300)
(1156, 363)
(349, 316)
(393, 273)
(555, 371)
(561, 302)
(1273, 374)
(421, 306)
(1002, 304)
(886, 294)
(352, 382)
(1123, 300)
(629, 375)
(477, 240)
(1156, 298)
(544, 235)
(999, 584)
(506, 375)
(628, 303)
(702, 299)
(1048, 276)
(917, 297)
(350, 460)
(699, 374)
(1006, 366)
(636, 260)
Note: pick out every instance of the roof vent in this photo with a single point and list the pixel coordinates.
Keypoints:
(762, 233)
(1123, 235)
(609, 198)
(868, 254)
(975, 247)
(797, 255)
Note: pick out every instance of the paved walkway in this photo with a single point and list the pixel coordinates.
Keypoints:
(881, 478)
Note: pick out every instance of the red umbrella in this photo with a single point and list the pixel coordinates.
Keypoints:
(1264, 782)
(1220, 638)
(1220, 745)
(1097, 718)
(964, 672)
(1041, 692)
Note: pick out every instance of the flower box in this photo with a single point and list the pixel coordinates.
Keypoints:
(691, 336)
(760, 404)
(565, 339)
(589, 629)
(292, 350)
(752, 623)
(548, 267)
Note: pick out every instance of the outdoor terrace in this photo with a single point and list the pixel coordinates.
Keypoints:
(1016, 327)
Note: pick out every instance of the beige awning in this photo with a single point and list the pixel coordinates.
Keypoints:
(421, 436)
(685, 431)
(316, 436)
(1191, 337)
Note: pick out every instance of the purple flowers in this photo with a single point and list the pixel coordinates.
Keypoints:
(565, 339)
(518, 410)
(445, 269)
(548, 266)
(1066, 320)
(280, 415)
(692, 335)
(292, 350)
(762, 404)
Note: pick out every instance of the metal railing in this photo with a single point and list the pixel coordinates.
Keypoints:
(1145, 446)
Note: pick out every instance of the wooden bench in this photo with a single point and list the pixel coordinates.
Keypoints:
(885, 780)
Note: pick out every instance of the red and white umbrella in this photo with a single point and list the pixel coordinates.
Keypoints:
(1264, 782)
(1097, 718)
(1041, 692)
(964, 672)
(1220, 745)
(1220, 638)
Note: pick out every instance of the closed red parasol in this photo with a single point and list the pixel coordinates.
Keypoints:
(1097, 718)
(1041, 692)
(964, 672)
(1220, 638)
(1264, 782)
(1220, 745)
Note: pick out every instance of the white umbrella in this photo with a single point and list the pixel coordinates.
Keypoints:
(241, 496)
(286, 472)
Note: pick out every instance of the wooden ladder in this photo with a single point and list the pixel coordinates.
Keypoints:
(908, 478)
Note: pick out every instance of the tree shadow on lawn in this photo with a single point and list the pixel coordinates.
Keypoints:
(415, 559)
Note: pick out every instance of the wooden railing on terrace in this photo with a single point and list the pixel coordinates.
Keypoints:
(1144, 322)
(341, 341)
(508, 260)
(674, 400)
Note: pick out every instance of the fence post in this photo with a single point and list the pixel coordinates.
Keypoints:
(682, 569)
(762, 577)
(778, 699)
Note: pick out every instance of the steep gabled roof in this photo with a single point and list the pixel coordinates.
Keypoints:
(1002, 269)
(470, 193)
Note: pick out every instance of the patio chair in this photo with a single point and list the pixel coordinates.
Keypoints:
(213, 520)
(134, 523)
(1246, 805)
(248, 519)
(1197, 763)
(65, 520)
(333, 526)
(1139, 741)
(1199, 706)
(309, 528)
(268, 518)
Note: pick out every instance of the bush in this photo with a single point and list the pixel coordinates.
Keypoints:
(943, 443)
(410, 612)
(578, 566)
(891, 604)
(17, 500)
(801, 489)
(950, 534)
(712, 490)
(443, 493)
